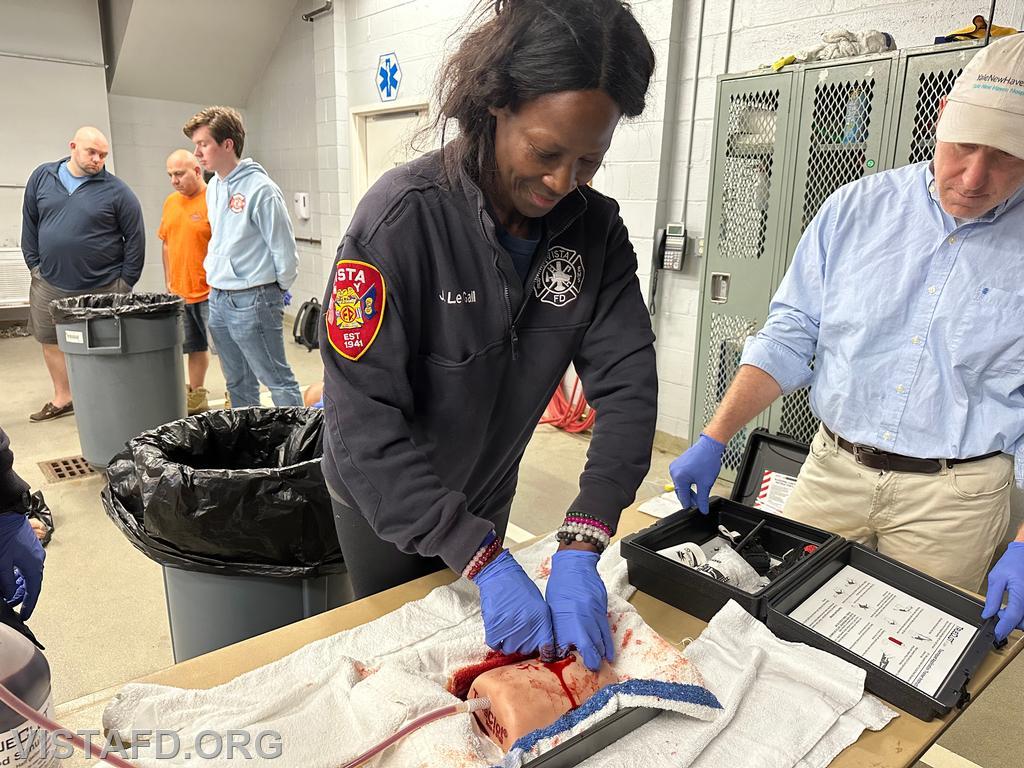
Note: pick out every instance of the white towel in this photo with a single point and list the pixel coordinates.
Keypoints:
(842, 43)
(786, 705)
(335, 698)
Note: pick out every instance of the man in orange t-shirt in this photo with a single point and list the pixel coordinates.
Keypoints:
(185, 230)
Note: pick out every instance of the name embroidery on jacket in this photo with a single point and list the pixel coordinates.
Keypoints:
(457, 297)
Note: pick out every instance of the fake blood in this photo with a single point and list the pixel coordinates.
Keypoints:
(462, 679)
(557, 668)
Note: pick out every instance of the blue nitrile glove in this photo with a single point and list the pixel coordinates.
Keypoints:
(19, 590)
(287, 298)
(1007, 576)
(516, 618)
(579, 607)
(699, 465)
(20, 547)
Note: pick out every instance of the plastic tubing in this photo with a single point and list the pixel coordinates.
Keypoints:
(37, 717)
(472, 705)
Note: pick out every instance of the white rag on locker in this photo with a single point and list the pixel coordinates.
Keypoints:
(334, 698)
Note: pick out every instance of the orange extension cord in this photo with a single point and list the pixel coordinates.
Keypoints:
(573, 413)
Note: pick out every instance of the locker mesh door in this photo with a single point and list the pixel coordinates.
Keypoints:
(747, 174)
(746, 202)
(928, 79)
(725, 346)
(932, 87)
(840, 142)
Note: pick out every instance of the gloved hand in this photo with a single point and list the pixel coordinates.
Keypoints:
(19, 590)
(579, 607)
(699, 465)
(20, 547)
(516, 618)
(1007, 576)
(287, 298)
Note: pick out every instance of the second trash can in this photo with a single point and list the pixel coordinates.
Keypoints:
(233, 505)
(124, 365)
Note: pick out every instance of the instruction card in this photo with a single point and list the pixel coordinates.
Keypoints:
(661, 506)
(774, 491)
(906, 637)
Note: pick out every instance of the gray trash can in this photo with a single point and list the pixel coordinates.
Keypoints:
(124, 365)
(209, 611)
(233, 505)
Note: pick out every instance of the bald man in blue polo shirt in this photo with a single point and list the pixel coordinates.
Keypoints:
(81, 233)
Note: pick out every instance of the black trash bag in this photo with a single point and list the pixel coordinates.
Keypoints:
(75, 308)
(36, 509)
(238, 491)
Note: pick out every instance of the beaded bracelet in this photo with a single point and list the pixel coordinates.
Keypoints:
(593, 522)
(569, 538)
(489, 547)
(585, 528)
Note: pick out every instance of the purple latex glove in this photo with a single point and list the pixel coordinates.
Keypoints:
(698, 466)
(1007, 576)
(20, 549)
(579, 607)
(516, 618)
(287, 298)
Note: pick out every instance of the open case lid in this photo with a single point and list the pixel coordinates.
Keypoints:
(944, 662)
(766, 452)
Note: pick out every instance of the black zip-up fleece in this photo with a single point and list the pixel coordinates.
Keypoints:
(425, 431)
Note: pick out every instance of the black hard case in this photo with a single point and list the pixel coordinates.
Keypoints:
(964, 607)
(701, 595)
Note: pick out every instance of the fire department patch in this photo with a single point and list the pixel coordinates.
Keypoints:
(559, 281)
(237, 203)
(356, 309)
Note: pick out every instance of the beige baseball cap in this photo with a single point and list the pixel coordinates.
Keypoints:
(986, 105)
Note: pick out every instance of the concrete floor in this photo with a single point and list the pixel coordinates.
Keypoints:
(102, 614)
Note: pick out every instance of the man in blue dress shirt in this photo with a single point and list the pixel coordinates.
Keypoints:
(907, 292)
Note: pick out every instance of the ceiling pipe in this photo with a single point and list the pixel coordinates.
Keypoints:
(327, 7)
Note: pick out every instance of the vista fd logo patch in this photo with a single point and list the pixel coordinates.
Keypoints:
(357, 307)
(560, 279)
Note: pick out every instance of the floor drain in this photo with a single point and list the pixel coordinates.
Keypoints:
(68, 468)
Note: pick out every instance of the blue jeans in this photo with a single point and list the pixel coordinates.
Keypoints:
(246, 327)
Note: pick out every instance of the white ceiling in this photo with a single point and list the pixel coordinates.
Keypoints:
(201, 51)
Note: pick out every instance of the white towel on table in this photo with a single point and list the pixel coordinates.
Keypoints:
(785, 705)
(335, 698)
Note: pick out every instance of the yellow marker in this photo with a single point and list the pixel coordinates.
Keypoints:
(669, 487)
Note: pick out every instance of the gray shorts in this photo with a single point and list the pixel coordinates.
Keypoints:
(41, 293)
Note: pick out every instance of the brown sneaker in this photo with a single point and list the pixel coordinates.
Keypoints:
(198, 401)
(51, 411)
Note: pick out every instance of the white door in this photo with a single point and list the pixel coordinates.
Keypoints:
(388, 142)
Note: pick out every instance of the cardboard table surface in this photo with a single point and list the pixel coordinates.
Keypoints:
(901, 743)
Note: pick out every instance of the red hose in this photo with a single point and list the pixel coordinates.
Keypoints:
(572, 414)
(41, 720)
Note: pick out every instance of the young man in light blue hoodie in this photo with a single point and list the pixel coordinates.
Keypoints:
(250, 262)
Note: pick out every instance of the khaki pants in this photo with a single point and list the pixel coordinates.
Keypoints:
(947, 524)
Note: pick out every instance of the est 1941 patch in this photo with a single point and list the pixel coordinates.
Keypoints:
(357, 308)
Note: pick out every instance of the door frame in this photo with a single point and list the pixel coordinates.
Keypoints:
(358, 117)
